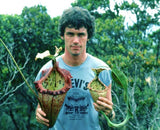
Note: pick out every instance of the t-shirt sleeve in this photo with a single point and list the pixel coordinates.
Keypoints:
(105, 77)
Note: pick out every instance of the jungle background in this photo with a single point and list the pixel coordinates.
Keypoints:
(134, 49)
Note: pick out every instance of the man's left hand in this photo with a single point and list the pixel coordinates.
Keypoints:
(103, 104)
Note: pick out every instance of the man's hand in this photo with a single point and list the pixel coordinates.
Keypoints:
(105, 105)
(40, 116)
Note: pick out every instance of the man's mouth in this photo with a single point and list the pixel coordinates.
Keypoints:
(75, 47)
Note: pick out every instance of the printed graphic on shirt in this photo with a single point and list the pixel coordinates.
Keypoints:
(77, 102)
(78, 83)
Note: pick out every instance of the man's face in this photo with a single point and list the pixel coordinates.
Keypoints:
(75, 40)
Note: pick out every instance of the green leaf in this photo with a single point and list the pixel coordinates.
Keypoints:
(120, 78)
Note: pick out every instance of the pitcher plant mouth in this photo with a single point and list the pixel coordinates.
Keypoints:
(99, 91)
(45, 87)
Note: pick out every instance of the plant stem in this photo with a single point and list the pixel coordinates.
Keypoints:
(18, 68)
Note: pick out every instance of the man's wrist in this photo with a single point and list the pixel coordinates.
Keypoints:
(111, 115)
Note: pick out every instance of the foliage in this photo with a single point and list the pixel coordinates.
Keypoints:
(133, 49)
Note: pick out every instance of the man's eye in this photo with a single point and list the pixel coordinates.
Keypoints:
(70, 34)
(81, 34)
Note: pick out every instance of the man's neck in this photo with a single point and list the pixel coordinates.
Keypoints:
(74, 60)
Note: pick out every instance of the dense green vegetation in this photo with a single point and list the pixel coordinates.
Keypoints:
(134, 49)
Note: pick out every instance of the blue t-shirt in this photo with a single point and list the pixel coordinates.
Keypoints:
(77, 112)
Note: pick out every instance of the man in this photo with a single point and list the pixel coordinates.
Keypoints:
(76, 28)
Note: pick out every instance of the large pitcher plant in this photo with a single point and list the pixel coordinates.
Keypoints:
(55, 82)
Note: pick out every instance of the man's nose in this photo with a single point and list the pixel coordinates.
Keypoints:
(76, 39)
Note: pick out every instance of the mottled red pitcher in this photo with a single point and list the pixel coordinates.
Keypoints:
(52, 88)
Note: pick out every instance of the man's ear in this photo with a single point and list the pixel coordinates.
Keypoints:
(62, 37)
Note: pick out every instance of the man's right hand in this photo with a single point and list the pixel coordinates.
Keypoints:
(40, 116)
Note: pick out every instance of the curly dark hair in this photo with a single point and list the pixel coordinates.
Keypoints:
(77, 17)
